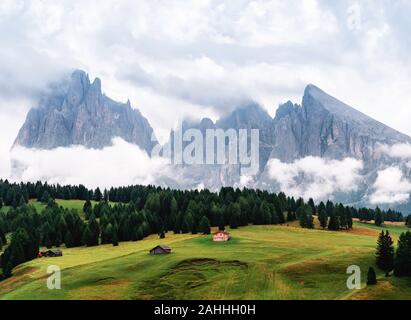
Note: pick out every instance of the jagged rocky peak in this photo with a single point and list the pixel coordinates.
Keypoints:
(286, 109)
(326, 127)
(314, 97)
(248, 116)
(75, 112)
(317, 102)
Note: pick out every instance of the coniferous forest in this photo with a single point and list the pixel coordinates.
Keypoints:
(134, 212)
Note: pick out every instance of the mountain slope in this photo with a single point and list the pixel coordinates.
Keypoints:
(325, 127)
(75, 112)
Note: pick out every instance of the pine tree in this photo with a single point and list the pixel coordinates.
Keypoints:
(7, 270)
(305, 216)
(17, 253)
(290, 216)
(59, 239)
(87, 209)
(349, 217)
(177, 223)
(135, 198)
(2, 236)
(329, 208)
(22, 201)
(312, 205)
(187, 223)
(371, 277)
(378, 218)
(95, 230)
(333, 222)
(68, 240)
(98, 195)
(205, 227)
(402, 265)
(343, 216)
(162, 234)
(385, 252)
(107, 234)
(115, 238)
(47, 241)
(264, 213)
(220, 221)
(139, 234)
(88, 237)
(45, 197)
(323, 217)
(234, 215)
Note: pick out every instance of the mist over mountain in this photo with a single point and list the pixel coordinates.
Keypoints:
(76, 112)
(322, 147)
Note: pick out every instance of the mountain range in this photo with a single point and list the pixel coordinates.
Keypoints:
(75, 112)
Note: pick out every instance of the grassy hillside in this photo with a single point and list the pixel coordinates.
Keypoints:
(70, 204)
(395, 229)
(260, 262)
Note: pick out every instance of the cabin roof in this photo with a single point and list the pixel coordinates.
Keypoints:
(162, 246)
(223, 232)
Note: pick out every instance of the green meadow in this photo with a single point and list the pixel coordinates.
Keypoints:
(70, 204)
(259, 262)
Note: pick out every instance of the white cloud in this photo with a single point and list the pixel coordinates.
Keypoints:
(399, 150)
(391, 187)
(177, 59)
(316, 178)
(118, 165)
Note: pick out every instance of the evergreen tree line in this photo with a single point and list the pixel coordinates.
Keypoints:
(134, 212)
(15, 194)
(378, 215)
(388, 259)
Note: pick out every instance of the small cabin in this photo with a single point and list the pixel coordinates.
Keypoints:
(51, 253)
(221, 236)
(160, 249)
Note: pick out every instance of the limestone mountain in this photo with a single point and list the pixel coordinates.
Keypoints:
(76, 112)
(326, 127)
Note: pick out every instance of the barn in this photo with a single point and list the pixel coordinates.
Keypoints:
(221, 236)
(51, 253)
(160, 249)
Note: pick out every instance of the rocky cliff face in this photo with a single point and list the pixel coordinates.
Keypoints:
(75, 112)
(325, 127)
(321, 126)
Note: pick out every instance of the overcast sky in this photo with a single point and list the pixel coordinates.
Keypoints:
(176, 59)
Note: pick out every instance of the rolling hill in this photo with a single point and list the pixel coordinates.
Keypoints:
(260, 262)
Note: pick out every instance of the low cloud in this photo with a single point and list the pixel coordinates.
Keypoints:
(316, 178)
(399, 150)
(117, 165)
(391, 187)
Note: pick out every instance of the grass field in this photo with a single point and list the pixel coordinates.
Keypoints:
(70, 204)
(260, 262)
